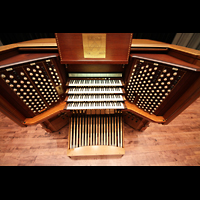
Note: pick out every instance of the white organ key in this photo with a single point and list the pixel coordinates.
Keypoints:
(95, 105)
(94, 90)
(95, 83)
(82, 98)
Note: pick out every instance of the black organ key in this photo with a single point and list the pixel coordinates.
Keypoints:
(112, 82)
(107, 81)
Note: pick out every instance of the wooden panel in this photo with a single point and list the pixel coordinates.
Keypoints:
(184, 101)
(7, 47)
(9, 110)
(137, 111)
(44, 42)
(57, 122)
(187, 57)
(95, 68)
(25, 57)
(196, 62)
(189, 51)
(70, 47)
(46, 115)
(8, 51)
(148, 50)
(167, 59)
(134, 121)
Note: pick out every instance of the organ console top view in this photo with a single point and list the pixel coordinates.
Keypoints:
(96, 82)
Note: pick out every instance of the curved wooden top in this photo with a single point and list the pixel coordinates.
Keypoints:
(148, 43)
(51, 42)
(45, 42)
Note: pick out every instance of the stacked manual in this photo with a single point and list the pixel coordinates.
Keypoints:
(95, 94)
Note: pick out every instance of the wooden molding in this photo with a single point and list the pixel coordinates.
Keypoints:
(97, 150)
(133, 108)
(46, 115)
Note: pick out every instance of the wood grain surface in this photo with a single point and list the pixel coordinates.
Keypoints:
(71, 46)
(175, 144)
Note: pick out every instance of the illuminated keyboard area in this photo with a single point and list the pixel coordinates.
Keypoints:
(95, 94)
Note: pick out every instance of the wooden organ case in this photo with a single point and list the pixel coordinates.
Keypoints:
(96, 83)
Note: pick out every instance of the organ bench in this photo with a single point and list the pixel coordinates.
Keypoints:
(96, 83)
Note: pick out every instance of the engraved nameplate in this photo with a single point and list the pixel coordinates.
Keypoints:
(94, 45)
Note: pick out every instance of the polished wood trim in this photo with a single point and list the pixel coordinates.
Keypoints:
(44, 42)
(134, 109)
(190, 51)
(148, 43)
(96, 150)
(8, 47)
(149, 49)
(166, 59)
(26, 58)
(36, 49)
(46, 115)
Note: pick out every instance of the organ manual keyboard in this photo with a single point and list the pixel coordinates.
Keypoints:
(95, 83)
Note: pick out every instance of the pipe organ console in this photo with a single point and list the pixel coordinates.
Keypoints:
(96, 83)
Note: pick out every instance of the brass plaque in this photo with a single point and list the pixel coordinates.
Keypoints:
(94, 45)
(59, 90)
